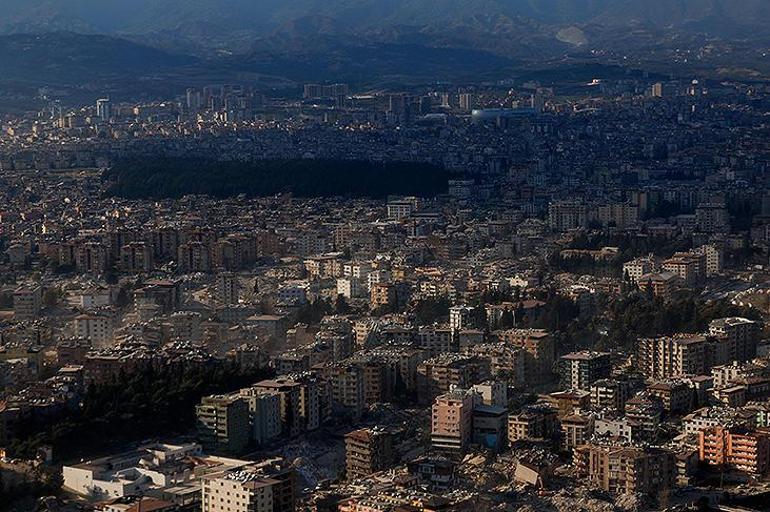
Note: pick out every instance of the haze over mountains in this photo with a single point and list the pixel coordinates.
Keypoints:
(233, 18)
(359, 40)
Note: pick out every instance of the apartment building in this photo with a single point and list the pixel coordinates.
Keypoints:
(194, 257)
(579, 370)
(382, 295)
(535, 422)
(576, 430)
(634, 270)
(671, 356)
(676, 396)
(452, 420)
(712, 217)
(290, 406)
(660, 284)
(27, 301)
(440, 374)
(738, 448)
(269, 486)
(264, 413)
(568, 401)
(436, 339)
(227, 288)
(620, 215)
(567, 215)
(689, 267)
(503, 360)
(490, 426)
(492, 393)
(644, 413)
(96, 327)
(714, 257)
(91, 258)
(400, 209)
(610, 394)
(223, 423)
(460, 317)
(540, 347)
(626, 470)
(348, 382)
(742, 335)
(136, 257)
(350, 287)
(368, 451)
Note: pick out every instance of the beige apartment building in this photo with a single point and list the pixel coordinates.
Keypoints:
(27, 301)
(452, 420)
(672, 356)
(368, 451)
(626, 470)
(268, 486)
(540, 347)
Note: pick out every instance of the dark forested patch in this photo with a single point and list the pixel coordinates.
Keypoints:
(150, 403)
(174, 178)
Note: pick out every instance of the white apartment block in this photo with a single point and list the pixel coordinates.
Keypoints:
(635, 269)
(98, 328)
(350, 287)
(459, 317)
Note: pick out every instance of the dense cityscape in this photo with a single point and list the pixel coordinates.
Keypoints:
(490, 295)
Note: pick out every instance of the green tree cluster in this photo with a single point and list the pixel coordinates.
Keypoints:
(177, 177)
(146, 404)
(429, 311)
(640, 316)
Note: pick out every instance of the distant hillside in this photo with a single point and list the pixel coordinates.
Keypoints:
(64, 57)
(365, 41)
(694, 14)
(328, 59)
(261, 17)
(61, 58)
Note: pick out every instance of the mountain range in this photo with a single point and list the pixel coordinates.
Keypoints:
(228, 21)
(62, 41)
(142, 16)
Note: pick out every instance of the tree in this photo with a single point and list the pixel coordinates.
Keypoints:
(6, 300)
(313, 312)
(429, 311)
(51, 297)
(640, 316)
(507, 321)
(341, 306)
(110, 276)
(650, 291)
(146, 403)
(176, 177)
(122, 299)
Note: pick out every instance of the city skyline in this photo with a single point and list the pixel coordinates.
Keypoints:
(384, 256)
